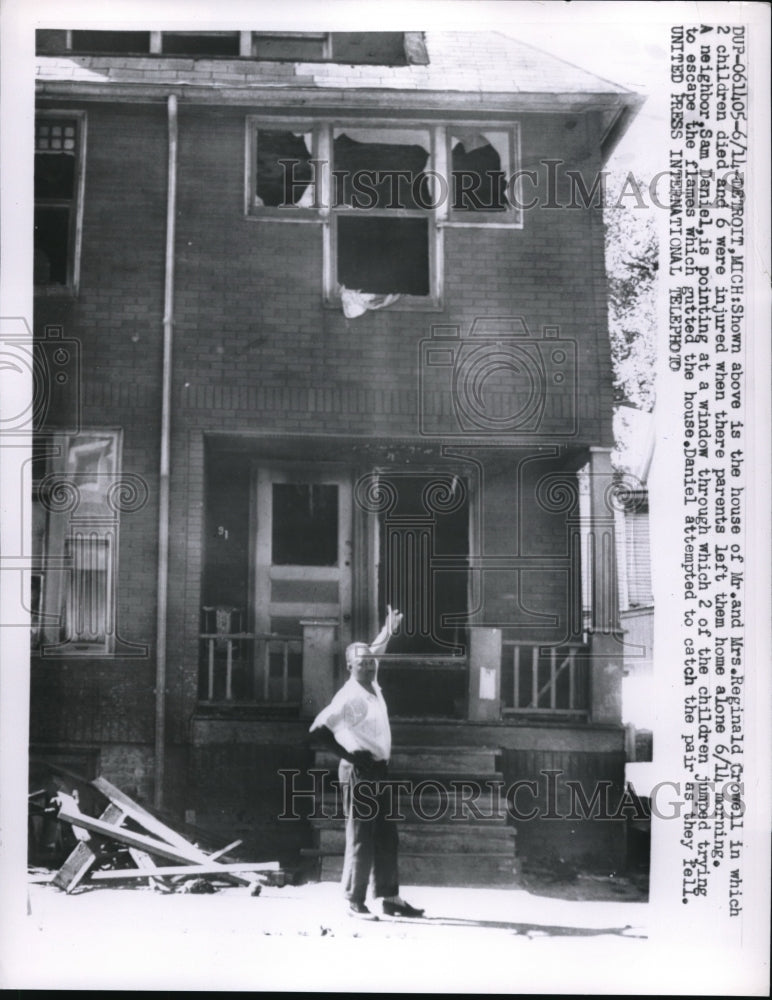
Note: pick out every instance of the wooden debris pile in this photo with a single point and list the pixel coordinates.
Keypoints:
(127, 842)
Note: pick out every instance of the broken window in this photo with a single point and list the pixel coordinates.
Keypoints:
(381, 48)
(357, 48)
(383, 195)
(382, 224)
(57, 142)
(200, 43)
(295, 46)
(383, 256)
(481, 166)
(283, 169)
(126, 42)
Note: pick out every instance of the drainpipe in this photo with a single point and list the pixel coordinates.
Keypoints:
(163, 480)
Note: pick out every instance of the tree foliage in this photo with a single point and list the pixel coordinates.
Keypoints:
(631, 265)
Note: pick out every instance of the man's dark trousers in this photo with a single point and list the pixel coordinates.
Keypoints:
(371, 836)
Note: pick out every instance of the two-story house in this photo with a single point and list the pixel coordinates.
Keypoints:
(322, 327)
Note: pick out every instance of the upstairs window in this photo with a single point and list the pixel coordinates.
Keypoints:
(482, 165)
(126, 42)
(384, 195)
(359, 48)
(59, 141)
(293, 46)
(382, 230)
(200, 43)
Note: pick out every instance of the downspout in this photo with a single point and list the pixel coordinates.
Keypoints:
(163, 478)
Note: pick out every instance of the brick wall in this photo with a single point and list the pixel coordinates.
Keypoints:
(256, 351)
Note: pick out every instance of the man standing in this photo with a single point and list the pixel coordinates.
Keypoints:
(356, 726)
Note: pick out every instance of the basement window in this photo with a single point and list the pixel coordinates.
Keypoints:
(59, 139)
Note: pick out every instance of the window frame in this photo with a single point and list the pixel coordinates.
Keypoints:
(255, 123)
(75, 204)
(55, 568)
(513, 217)
(327, 214)
(414, 47)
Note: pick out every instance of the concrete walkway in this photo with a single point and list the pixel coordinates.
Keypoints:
(301, 938)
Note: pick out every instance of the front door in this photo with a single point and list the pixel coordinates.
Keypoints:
(424, 572)
(302, 567)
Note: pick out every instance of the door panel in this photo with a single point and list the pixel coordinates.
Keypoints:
(303, 559)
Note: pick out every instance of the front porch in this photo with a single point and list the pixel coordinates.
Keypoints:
(283, 675)
(501, 559)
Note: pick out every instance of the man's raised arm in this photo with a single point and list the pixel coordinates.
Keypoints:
(390, 628)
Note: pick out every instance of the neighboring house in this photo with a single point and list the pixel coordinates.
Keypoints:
(284, 406)
(636, 591)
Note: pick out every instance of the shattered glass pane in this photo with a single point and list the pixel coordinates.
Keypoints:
(283, 183)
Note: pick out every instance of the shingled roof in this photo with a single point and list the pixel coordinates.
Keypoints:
(469, 61)
(465, 70)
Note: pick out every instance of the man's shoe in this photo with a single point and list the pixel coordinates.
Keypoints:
(400, 910)
(360, 910)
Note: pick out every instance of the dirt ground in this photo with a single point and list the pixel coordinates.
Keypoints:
(301, 938)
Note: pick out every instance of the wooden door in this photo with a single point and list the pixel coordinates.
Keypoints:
(302, 567)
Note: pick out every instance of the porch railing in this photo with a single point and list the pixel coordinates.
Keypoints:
(545, 680)
(426, 685)
(250, 667)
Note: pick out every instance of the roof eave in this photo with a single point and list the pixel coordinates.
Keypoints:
(625, 104)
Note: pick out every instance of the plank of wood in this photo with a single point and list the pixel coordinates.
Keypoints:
(112, 875)
(145, 863)
(144, 818)
(225, 850)
(152, 824)
(69, 812)
(83, 856)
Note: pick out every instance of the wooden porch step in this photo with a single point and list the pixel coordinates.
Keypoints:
(425, 838)
(426, 760)
(452, 869)
(432, 803)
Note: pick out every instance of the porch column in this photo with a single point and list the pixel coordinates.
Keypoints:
(484, 674)
(319, 648)
(606, 644)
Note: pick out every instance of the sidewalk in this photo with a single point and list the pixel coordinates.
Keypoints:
(300, 937)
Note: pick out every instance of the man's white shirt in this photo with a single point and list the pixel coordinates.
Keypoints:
(358, 720)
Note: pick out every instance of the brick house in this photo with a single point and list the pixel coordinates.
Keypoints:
(324, 321)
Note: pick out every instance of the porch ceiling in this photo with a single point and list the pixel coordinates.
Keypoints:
(373, 452)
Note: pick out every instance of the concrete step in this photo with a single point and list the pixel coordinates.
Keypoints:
(468, 870)
(432, 838)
